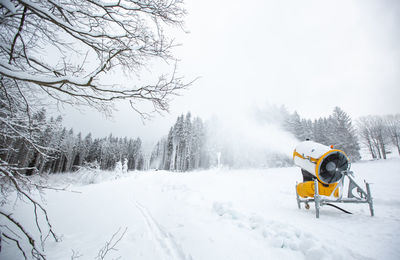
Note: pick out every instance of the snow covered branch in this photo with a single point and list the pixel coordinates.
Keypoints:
(111, 244)
(41, 37)
(12, 181)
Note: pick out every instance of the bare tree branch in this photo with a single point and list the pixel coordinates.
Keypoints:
(75, 255)
(119, 33)
(16, 241)
(111, 244)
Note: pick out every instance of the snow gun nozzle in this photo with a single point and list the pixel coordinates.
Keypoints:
(328, 165)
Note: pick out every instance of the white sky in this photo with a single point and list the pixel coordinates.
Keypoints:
(307, 55)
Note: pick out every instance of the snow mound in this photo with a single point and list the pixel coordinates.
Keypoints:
(83, 177)
(284, 236)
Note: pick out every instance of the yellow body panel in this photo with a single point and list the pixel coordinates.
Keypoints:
(306, 189)
(295, 153)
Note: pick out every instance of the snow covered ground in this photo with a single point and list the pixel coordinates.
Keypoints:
(217, 214)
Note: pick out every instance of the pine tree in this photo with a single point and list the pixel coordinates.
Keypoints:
(293, 125)
(179, 144)
(187, 135)
(345, 137)
(197, 144)
(168, 163)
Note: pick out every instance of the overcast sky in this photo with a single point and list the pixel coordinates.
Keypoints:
(307, 55)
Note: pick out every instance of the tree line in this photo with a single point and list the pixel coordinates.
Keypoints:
(379, 134)
(193, 144)
(337, 130)
(190, 144)
(61, 150)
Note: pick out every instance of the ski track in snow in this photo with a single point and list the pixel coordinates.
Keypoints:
(281, 235)
(164, 240)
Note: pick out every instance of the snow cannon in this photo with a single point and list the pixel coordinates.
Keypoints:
(323, 162)
(324, 171)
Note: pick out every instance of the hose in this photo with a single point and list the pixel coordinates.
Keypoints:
(339, 208)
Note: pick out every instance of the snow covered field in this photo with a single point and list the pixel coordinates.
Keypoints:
(218, 214)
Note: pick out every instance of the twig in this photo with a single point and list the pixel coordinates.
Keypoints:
(16, 242)
(75, 255)
(110, 245)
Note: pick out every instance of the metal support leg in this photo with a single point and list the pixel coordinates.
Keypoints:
(363, 195)
(316, 198)
(297, 197)
(371, 205)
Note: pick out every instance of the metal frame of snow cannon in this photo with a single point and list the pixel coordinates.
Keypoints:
(319, 200)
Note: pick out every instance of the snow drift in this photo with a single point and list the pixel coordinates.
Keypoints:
(217, 214)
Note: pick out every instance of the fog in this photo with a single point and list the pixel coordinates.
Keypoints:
(307, 55)
(247, 143)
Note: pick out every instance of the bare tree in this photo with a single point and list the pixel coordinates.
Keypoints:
(366, 138)
(373, 131)
(62, 50)
(393, 129)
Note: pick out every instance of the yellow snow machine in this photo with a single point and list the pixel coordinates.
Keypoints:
(325, 171)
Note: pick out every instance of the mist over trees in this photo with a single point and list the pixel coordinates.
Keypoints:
(192, 144)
